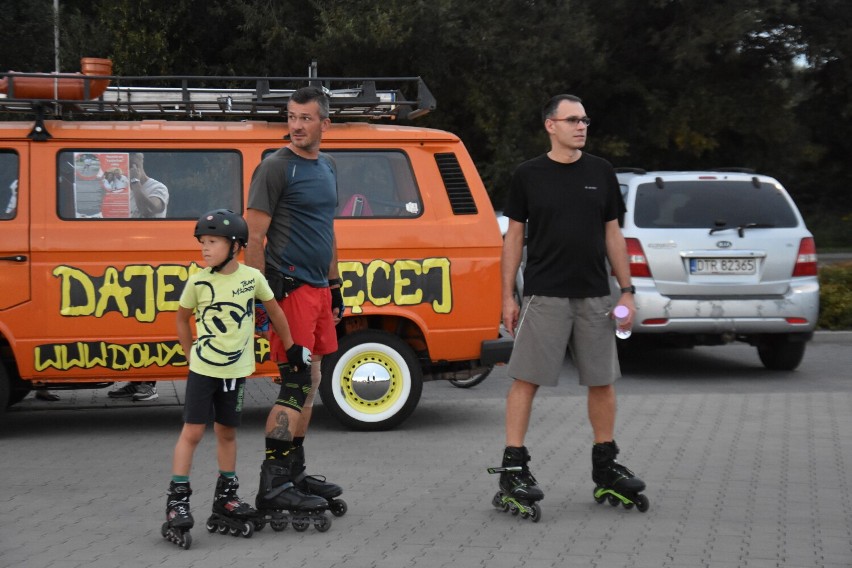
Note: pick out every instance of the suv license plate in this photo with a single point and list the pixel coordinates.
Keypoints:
(722, 266)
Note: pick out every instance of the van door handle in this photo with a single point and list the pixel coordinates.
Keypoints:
(17, 258)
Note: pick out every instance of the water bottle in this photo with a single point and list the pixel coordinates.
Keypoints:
(621, 313)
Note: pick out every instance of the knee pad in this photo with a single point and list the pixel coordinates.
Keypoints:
(295, 387)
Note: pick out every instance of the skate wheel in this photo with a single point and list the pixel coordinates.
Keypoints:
(613, 500)
(248, 529)
(514, 510)
(234, 531)
(642, 503)
(164, 530)
(535, 513)
(211, 527)
(497, 500)
(223, 528)
(187, 541)
(301, 525)
(599, 497)
(258, 526)
(628, 506)
(322, 525)
(339, 507)
(278, 526)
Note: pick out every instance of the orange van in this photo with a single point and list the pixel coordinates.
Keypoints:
(90, 288)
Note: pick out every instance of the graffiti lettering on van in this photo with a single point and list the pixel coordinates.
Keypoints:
(402, 282)
(138, 291)
(119, 357)
(141, 291)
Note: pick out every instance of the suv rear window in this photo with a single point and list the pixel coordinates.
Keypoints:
(708, 204)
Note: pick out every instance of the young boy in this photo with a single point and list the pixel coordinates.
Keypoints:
(222, 299)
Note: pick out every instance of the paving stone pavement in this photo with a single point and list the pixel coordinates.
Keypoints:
(752, 480)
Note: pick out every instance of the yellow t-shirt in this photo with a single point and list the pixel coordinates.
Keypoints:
(224, 320)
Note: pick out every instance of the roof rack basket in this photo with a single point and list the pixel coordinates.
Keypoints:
(199, 97)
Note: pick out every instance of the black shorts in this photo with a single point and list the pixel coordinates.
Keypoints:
(210, 398)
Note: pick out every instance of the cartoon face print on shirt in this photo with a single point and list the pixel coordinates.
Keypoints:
(214, 319)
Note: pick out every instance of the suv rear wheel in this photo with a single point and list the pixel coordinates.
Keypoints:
(372, 382)
(778, 353)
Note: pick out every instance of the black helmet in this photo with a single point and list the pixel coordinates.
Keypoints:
(223, 223)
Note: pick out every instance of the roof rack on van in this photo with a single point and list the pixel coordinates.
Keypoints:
(62, 95)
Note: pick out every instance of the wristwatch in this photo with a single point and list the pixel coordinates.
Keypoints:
(631, 289)
(335, 282)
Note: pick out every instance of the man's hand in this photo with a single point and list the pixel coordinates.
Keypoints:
(298, 357)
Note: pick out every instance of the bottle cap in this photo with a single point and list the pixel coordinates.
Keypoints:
(621, 312)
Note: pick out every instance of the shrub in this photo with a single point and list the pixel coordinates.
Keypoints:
(835, 296)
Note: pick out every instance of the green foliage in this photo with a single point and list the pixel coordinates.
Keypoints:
(835, 296)
(670, 84)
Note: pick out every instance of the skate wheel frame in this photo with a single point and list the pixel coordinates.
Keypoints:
(641, 502)
(511, 505)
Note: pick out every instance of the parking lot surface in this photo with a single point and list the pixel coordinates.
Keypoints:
(745, 468)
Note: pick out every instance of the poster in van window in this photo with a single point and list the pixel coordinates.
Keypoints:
(102, 184)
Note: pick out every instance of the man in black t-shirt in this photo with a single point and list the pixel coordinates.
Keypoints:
(568, 203)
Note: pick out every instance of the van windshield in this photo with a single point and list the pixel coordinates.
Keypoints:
(709, 204)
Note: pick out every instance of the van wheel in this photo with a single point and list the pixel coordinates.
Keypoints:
(372, 382)
(779, 354)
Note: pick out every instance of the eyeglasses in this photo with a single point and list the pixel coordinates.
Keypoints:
(574, 120)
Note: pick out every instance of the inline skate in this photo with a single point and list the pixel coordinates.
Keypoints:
(279, 501)
(178, 518)
(230, 513)
(519, 490)
(614, 482)
(316, 484)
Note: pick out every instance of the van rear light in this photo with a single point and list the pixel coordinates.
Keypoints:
(806, 260)
(636, 256)
(797, 321)
(655, 321)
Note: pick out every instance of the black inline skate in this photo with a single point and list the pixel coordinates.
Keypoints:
(279, 501)
(519, 490)
(615, 483)
(317, 484)
(230, 513)
(178, 518)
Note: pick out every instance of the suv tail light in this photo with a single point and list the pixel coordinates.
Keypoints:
(806, 260)
(636, 257)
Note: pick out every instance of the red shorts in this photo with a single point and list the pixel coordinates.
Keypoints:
(308, 312)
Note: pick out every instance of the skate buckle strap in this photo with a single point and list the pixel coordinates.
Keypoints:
(276, 491)
(505, 469)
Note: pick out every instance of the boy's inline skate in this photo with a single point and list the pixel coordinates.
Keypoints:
(230, 513)
(519, 490)
(279, 501)
(615, 483)
(317, 484)
(178, 518)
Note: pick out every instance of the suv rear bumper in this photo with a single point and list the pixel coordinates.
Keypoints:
(740, 315)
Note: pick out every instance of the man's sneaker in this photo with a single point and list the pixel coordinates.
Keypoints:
(145, 392)
(127, 391)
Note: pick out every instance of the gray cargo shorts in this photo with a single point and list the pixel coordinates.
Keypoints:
(548, 325)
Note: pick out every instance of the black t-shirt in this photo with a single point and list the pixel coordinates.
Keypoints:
(566, 208)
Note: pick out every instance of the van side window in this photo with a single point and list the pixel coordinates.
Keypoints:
(376, 184)
(149, 184)
(8, 185)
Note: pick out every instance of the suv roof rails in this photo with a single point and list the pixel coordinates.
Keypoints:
(734, 170)
(196, 97)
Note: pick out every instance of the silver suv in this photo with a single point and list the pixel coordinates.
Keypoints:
(720, 256)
